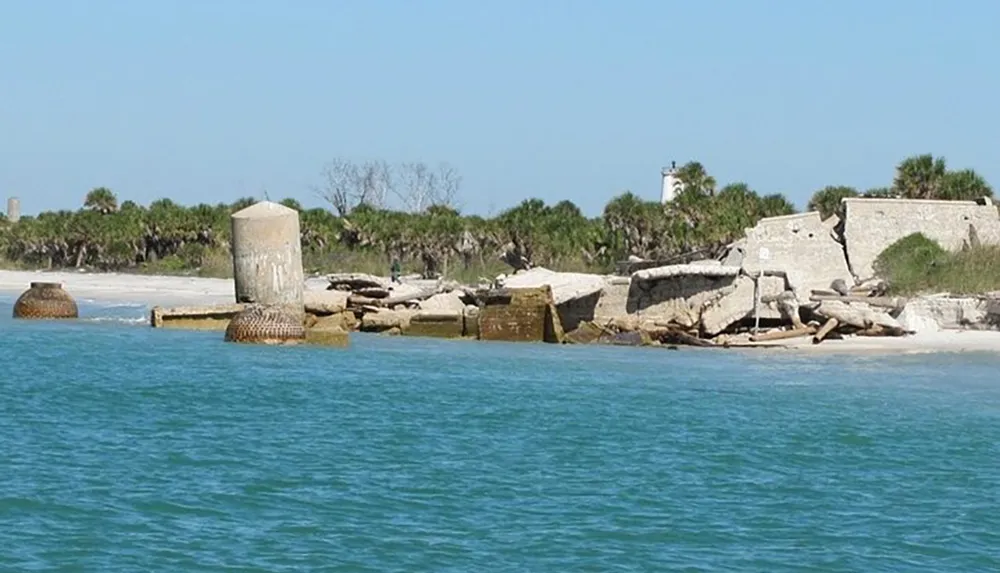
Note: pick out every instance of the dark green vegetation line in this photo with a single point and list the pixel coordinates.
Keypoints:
(169, 238)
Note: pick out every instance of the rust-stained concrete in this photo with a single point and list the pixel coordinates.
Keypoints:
(520, 315)
(215, 317)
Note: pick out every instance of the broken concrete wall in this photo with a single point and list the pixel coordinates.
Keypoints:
(613, 302)
(575, 311)
(802, 246)
(519, 315)
(604, 306)
(688, 295)
(871, 225)
(576, 295)
(934, 313)
(565, 286)
(677, 294)
(738, 303)
(437, 324)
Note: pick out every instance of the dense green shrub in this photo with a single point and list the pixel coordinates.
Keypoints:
(916, 264)
(911, 264)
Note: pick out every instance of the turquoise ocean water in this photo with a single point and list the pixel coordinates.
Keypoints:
(124, 448)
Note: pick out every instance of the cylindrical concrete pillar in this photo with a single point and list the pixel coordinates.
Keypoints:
(267, 256)
(13, 209)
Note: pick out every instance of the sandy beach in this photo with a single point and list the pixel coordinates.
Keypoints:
(125, 288)
(153, 290)
(920, 343)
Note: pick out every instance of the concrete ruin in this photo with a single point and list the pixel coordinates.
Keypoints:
(942, 312)
(792, 272)
(706, 297)
(519, 315)
(195, 317)
(267, 256)
(576, 296)
(871, 225)
(781, 267)
(802, 246)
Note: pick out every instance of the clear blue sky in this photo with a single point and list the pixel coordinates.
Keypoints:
(216, 99)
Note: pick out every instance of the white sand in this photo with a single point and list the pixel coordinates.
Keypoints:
(920, 343)
(179, 291)
(123, 288)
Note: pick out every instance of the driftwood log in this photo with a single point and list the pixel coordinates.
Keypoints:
(877, 301)
(668, 333)
(825, 330)
(358, 300)
(857, 315)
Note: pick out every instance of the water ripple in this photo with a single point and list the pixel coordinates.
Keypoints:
(132, 449)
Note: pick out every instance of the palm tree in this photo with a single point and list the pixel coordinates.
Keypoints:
(101, 200)
(828, 200)
(736, 208)
(919, 177)
(695, 178)
(634, 227)
(522, 227)
(964, 185)
(775, 205)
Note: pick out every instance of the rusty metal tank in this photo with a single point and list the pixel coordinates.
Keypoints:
(45, 300)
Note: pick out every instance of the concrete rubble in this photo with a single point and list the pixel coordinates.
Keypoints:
(565, 286)
(792, 275)
(325, 302)
(412, 306)
(944, 312)
(787, 277)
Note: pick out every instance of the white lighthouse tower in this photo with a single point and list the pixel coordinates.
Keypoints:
(670, 184)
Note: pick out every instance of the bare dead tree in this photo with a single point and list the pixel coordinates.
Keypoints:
(416, 186)
(347, 185)
(373, 184)
(339, 177)
(422, 187)
(447, 182)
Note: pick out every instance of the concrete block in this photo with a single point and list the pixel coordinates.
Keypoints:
(215, 317)
(935, 313)
(334, 337)
(519, 315)
(436, 324)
